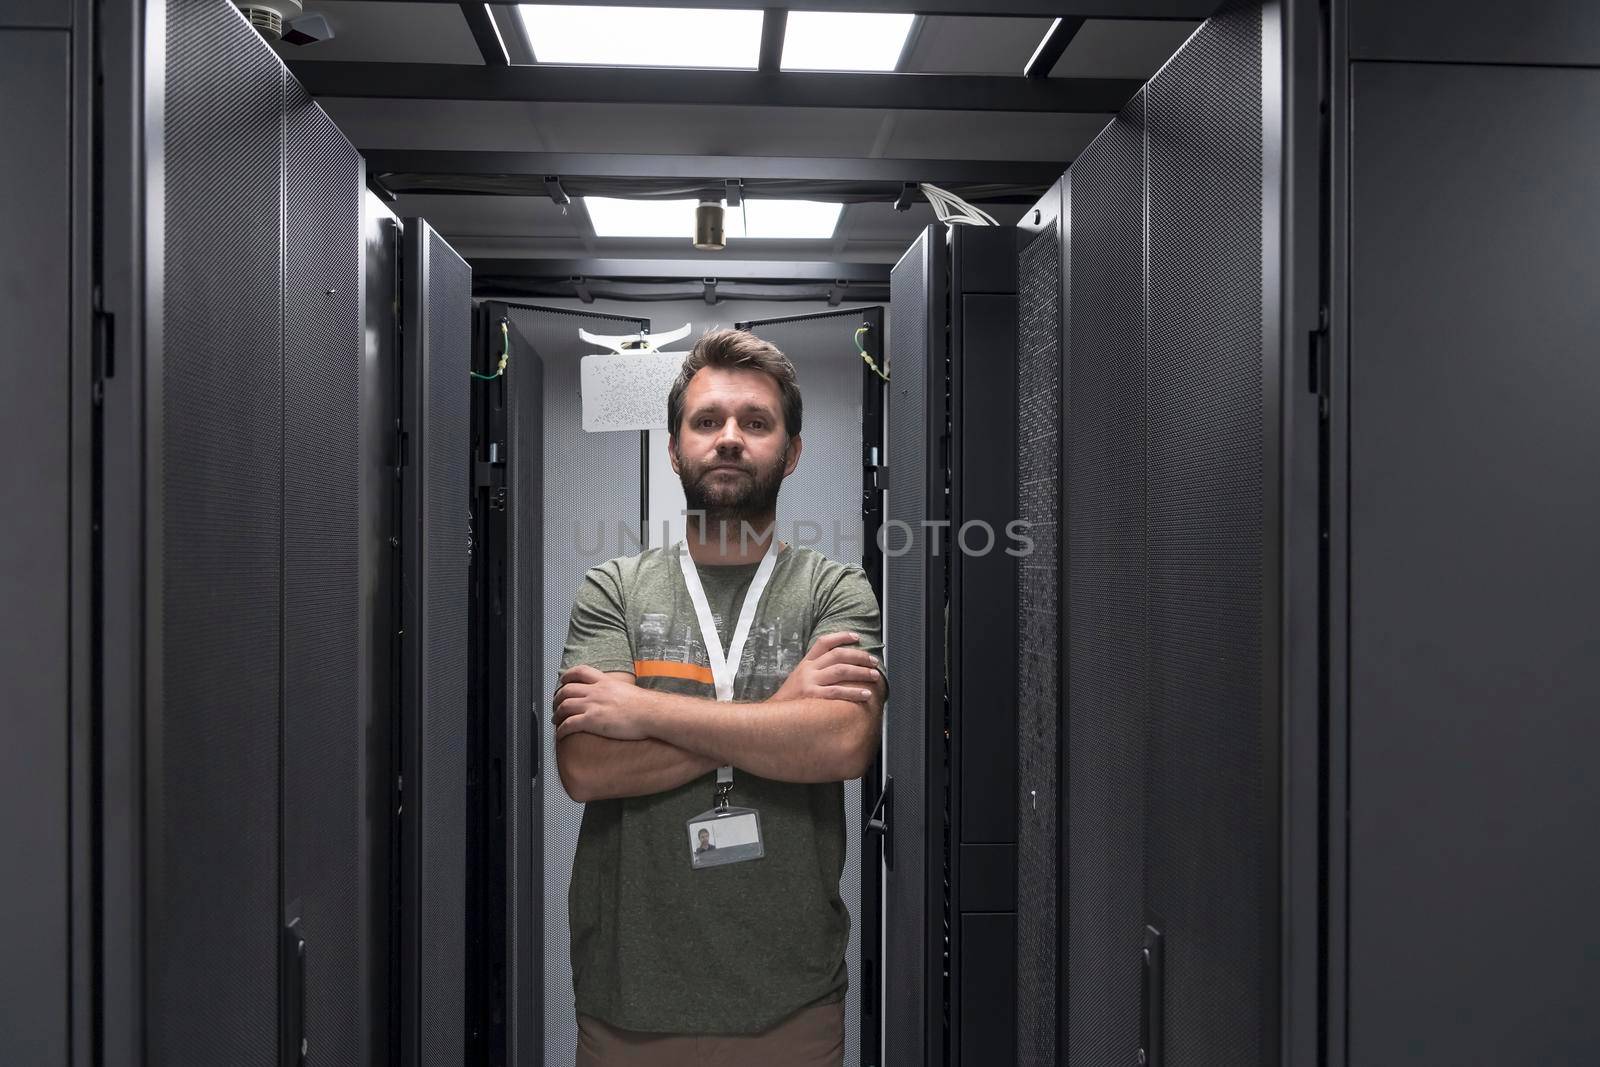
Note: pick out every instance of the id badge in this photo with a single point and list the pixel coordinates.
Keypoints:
(725, 835)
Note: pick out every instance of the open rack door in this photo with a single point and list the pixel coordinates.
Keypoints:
(843, 434)
(437, 303)
(914, 584)
(508, 694)
(589, 489)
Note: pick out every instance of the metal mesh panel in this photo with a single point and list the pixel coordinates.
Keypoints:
(1039, 639)
(1108, 657)
(825, 490)
(907, 893)
(214, 837)
(1207, 825)
(527, 696)
(591, 485)
(445, 451)
(322, 723)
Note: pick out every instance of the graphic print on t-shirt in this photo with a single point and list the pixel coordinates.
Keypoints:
(667, 651)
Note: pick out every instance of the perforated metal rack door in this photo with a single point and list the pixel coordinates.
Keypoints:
(213, 743)
(592, 483)
(1039, 494)
(1209, 834)
(1108, 669)
(528, 694)
(914, 928)
(825, 490)
(438, 340)
(323, 724)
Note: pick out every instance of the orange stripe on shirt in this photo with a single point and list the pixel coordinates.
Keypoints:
(661, 668)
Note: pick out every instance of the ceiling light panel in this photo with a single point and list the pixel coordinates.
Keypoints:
(769, 219)
(643, 36)
(830, 40)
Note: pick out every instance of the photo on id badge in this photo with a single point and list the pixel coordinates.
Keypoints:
(729, 837)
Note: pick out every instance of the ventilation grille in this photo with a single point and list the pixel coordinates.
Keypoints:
(528, 695)
(445, 450)
(1206, 852)
(323, 727)
(1108, 654)
(1039, 633)
(214, 830)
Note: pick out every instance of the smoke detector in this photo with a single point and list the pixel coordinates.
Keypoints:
(269, 16)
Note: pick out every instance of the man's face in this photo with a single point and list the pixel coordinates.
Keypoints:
(705, 836)
(731, 451)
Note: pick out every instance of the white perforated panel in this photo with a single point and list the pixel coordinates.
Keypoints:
(628, 390)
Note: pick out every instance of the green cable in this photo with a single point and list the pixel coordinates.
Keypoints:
(505, 355)
(870, 361)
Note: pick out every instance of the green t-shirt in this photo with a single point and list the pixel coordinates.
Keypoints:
(657, 945)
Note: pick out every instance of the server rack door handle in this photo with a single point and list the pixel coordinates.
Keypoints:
(880, 822)
(292, 999)
(1150, 999)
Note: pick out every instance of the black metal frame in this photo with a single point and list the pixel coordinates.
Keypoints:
(1098, 9)
(679, 270)
(1054, 43)
(388, 164)
(485, 33)
(730, 88)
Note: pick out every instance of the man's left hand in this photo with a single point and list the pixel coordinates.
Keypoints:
(591, 701)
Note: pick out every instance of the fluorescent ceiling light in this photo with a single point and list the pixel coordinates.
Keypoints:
(769, 219)
(643, 36)
(786, 219)
(829, 40)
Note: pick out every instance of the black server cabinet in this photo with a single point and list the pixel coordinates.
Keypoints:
(505, 808)
(950, 590)
(1190, 830)
(435, 545)
(1462, 513)
(231, 641)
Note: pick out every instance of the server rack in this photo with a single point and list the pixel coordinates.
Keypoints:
(951, 760)
(1191, 811)
(228, 837)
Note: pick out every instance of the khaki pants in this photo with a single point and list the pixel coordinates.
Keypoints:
(811, 1037)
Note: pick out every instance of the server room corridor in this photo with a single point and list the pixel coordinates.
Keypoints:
(1169, 638)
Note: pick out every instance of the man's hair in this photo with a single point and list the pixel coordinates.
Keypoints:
(738, 348)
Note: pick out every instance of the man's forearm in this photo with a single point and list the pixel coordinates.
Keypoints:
(805, 740)
(602, 768)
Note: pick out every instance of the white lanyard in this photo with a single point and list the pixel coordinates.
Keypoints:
(725, 668)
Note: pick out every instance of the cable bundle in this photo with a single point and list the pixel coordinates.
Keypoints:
(951, 209)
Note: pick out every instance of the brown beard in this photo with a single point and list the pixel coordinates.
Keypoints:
(751, 497)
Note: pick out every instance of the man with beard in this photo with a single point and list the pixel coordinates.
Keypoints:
(660, 727)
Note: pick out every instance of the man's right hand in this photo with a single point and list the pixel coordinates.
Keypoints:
(832, 670)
